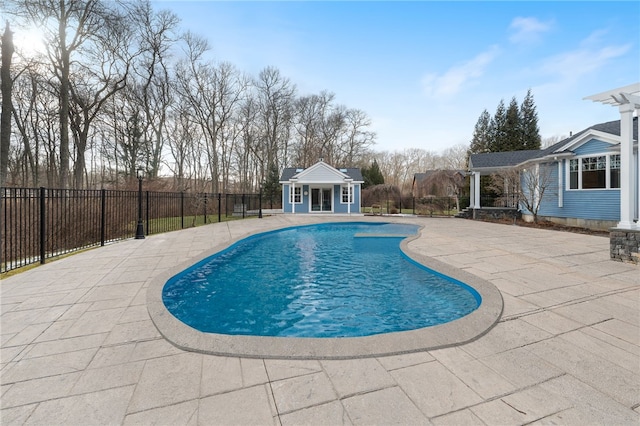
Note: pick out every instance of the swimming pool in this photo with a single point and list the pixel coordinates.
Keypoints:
(222, 236)
(329, 280)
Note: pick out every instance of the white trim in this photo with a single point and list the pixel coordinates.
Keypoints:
(607, 169)
(587, 137)
(560, 191)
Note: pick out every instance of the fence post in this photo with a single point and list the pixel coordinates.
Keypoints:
(147, 214)
(102, 215)
(181, 209)
(219, 207)
(43, 227)
(205, 208)
(243, 209)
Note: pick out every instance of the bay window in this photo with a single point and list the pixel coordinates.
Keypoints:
(595, 172)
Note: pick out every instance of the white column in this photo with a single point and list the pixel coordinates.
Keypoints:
(472, 191)
(292, 197)
(561, 177)
(476, 192)
(628, 195)
(349, 198)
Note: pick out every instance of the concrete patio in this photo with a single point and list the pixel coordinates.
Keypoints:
(79, 348)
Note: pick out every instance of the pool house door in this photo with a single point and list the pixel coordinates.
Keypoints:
(321, 199)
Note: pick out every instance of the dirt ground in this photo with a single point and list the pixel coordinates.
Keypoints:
(544, 224)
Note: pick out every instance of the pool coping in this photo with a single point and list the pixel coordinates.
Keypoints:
(457, 332)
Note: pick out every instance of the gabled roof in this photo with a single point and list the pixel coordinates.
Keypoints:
(609, 131)
(321, 172)
(491, 160)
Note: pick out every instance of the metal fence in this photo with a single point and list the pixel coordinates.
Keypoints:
(42, 223)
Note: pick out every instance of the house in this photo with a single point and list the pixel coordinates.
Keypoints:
(321, 188)
(579, 176)
(592, 178)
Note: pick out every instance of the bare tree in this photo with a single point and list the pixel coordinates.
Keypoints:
(276, 95)
(357, 139)
(527, 186)
(6, 84)
(156, 34)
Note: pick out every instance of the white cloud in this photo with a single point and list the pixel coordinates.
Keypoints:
(458, 77)
(527, 30)
(573, 64)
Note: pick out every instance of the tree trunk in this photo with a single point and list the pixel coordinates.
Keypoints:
(5, 118)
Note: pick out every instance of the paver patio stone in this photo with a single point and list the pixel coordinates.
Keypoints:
(249, 406)
(184, 413)
(551, 322)
(93, 322)
(114, 376)
(458, 418)
(434, 389)
(220, 374)
(71, 344)
(52, 365)
(600, 373)
(156, 348)
(102, 408)
(17, 415)
(521, 367)
(113, 355)
(37, 390)
(505, 336)
(167, 380)
(388, 406)
(604, 350)
(405, 360)
(332, 413)
(355, 376)
(302, 391)
(279, 369)
(593, 407)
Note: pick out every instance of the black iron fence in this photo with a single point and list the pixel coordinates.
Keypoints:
(42, 223)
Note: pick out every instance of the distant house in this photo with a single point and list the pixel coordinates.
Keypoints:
(583, 176)
(321, 188)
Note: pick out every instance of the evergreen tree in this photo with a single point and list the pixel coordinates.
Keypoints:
(512, 132)
(498, 129)
(271, 188)
(372, 175)
(481, 141)
(529, 123)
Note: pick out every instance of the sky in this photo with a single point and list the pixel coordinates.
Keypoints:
(424, 71)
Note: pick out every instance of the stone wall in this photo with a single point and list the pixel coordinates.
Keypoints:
(491, 213)
(625, 244)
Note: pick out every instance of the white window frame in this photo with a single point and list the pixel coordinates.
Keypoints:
(608, 157)
(295, 195)
(348, 192)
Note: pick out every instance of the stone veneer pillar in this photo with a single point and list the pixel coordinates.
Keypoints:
(624, 245)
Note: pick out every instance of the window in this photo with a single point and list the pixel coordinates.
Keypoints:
(347, 195)
(295, 195)
(597, 172)
(614, 171)
(594, 172)
(574, 166)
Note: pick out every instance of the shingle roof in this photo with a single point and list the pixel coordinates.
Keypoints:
(501, 159)
(490, 160)
(353, 173)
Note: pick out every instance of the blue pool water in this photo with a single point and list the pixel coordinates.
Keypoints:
(327, 280)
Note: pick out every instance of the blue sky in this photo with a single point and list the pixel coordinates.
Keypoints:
(423, 70)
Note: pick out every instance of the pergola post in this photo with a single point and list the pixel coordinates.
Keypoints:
(628, 195)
